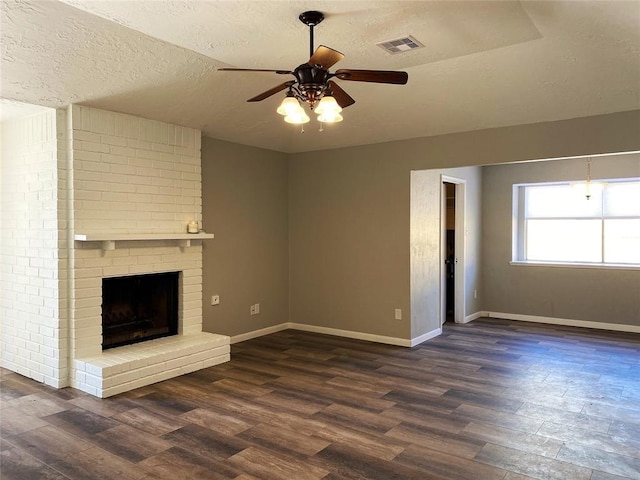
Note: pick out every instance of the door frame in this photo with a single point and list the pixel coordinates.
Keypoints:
(459, 239)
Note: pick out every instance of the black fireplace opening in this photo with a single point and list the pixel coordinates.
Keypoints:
(138, 308)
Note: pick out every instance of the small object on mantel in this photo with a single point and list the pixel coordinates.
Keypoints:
(192, 227)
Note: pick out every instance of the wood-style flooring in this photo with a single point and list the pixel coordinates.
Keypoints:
(489, 400)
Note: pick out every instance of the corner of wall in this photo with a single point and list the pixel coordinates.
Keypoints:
(30, 294)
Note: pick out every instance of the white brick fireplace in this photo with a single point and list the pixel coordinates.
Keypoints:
(127, 187)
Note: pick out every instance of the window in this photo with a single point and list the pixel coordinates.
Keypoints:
(557, 223)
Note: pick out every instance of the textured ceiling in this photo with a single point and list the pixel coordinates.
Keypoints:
(485, 64)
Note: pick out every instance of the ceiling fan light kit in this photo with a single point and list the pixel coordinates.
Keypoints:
(313, 84)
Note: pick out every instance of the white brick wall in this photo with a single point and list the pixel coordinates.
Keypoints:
(32, 336)
(87, 171)
(132, 175)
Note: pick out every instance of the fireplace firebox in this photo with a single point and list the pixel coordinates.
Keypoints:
(138, 308)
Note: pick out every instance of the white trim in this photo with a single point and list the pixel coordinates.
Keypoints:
(474, 316)
(112, 237)
(426, 336)
(443, 252)
(259, 333)
(618, 327)
(460, 248)
(597, 266)
(461, 251)
(108, 240)
(402, 342)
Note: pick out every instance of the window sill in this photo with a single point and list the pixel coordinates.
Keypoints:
(597, 266)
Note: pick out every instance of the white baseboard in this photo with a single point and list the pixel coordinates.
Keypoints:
(259, 333)
(425, 336)
(473, 316)
(402, 342)
(618, 327)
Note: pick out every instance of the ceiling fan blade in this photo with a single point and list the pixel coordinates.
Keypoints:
(375, 76)
(342, 97)
(272, 91)
(279, 72)
(325, 57)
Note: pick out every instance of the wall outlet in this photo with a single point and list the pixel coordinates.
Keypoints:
(257, 308)
(215, 300)
(475, 294)
(398, 314)
(252, 310)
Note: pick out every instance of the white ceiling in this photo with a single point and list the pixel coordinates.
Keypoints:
(485, 64)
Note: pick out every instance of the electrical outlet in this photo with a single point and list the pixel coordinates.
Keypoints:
(256, 307)
(475, 294)
(252, 310)
(398, 314)
(215, 300)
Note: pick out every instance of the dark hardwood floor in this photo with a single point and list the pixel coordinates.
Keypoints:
(488, 400)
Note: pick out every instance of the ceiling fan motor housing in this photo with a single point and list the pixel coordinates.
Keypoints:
(312, 82)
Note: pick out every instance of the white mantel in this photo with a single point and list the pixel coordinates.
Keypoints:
(109, 240)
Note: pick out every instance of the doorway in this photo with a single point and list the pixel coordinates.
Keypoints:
(452, 250)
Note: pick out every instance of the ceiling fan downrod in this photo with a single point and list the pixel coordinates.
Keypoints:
(311, 19)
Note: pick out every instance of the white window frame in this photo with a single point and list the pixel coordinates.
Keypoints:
(519, 231)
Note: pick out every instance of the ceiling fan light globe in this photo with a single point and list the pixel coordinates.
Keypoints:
(297, 118)
(330, 118)
(328, 105)
(289, 105)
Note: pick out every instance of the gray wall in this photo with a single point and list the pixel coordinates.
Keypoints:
(245, 204)
(589, 294)
(350, 213)
(348, 229)
(349, 263)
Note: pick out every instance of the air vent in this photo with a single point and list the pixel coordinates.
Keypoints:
(400, 45)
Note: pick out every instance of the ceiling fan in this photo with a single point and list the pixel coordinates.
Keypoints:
(313, 84)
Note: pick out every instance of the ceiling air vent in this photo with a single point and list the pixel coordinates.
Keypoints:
(400, 45)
